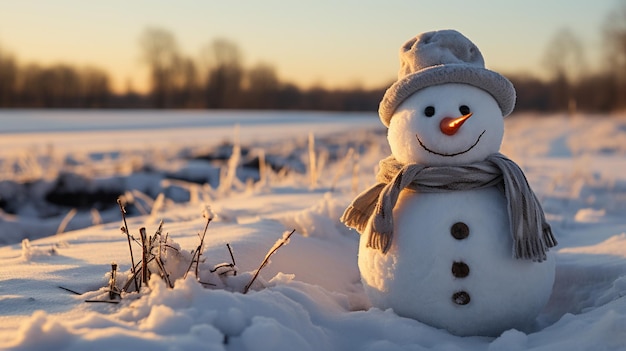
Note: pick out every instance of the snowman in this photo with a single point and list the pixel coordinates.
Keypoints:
(452, 235)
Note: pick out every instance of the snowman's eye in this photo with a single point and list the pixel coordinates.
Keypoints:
(464, 109)
(429, 111)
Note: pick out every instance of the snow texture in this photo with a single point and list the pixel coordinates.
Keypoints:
(310, 296)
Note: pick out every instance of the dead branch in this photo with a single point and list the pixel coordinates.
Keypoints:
(164, 273)
(224, 265)
(282, 241)
(69, 290)
(193, 255)
(112, 282)
(130, 247)
(232, 258)
(144, 256)
(201, 246)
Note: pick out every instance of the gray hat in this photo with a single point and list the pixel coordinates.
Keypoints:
(439, 57)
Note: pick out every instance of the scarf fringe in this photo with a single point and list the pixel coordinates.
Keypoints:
(358, 213)
(379, 241)
(535, 250)
(355, 218)
(380, 229)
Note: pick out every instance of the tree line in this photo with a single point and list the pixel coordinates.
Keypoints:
(218, 79)
(60, 85)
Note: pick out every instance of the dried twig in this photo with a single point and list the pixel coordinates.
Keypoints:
(232, 258)
(229, 176)
(223, 265)
(282, 241)
(96, 219)
(112, 282)
(70, 290)
(103, 301)
(97, 301)
(209, 218)
(133, 278)
(159, 259)
(312, 161)
(262, 168)
(164, 273)
(66, 220)
(144, 255)
(195, 257)
(159, 230)
(130, 247)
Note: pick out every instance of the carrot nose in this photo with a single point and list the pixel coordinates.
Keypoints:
(449, 125)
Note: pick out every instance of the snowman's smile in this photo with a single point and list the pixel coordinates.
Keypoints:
(451, 154)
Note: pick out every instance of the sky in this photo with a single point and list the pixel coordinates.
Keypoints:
(329, 43)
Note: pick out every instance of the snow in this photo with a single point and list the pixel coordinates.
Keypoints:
(309, 297)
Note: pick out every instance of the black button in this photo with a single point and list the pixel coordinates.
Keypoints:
(460, 269)
(461, 298)
(459, 230)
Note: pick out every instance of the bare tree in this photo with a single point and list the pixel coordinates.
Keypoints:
(95, 87)
(8, 79)
(225, 73)
(159, 50)
(565, 56)
(188, 85)
(262, 86)
(61, 85)
(565, 61)
(615, 46)
(54, 86)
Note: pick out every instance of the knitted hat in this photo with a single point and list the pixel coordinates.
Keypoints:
(439, 57)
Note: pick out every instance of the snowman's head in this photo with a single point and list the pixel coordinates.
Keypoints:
(446, 124)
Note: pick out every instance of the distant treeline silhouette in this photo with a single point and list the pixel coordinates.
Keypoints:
(219, 80)
(175, 82)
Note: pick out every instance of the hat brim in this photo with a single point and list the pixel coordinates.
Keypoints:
(494, 83)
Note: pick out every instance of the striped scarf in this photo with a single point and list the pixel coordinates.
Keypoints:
(532, 236)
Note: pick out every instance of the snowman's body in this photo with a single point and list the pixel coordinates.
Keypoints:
(450, 263)
(469, 285)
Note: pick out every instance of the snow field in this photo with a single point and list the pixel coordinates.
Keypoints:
(310, 296)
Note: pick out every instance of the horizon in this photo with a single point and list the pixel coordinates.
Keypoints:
(341, 45)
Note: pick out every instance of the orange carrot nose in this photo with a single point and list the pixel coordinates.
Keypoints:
(449, 125)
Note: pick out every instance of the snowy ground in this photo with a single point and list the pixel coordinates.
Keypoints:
(309, 297)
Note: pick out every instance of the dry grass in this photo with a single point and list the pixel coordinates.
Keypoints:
(153, 264)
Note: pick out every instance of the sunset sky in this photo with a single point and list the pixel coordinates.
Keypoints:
(332, 43)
